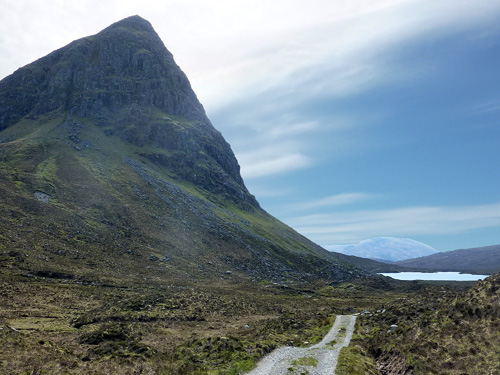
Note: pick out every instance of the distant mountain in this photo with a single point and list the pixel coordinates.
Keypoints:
(385, 249)
(482, 260)
(110, 168)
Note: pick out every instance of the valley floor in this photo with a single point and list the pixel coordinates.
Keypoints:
(225, 327)
(58, 326)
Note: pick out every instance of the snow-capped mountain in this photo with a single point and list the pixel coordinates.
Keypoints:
(385, 249)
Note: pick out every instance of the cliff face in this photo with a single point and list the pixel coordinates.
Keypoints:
(127, 82)
(96, 76)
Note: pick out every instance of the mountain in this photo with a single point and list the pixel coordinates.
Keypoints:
(385, 249)
(110, 169)
(482, 260)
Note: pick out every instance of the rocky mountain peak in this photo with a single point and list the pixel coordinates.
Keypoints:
(124, 64)
(135, 22)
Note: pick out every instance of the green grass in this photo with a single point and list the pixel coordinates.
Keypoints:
(353, 360)
(306, 361)
(299, 366)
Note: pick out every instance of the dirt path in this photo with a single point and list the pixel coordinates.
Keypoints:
(319, 359)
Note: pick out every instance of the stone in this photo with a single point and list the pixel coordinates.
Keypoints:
(392, 328)
(41, 196)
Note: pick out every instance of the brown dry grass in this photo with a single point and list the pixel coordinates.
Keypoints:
(64, 327)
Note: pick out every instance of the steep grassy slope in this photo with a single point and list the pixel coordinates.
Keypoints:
(77, 206)
(482, 260)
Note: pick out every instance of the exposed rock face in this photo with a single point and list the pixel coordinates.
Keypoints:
(124, 64)
(128, 83)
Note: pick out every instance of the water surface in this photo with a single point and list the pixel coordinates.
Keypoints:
(441, 276)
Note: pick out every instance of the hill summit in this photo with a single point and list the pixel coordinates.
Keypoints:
(110, 166)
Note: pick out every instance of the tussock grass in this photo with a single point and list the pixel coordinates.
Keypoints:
(62, 326)
(440, 331)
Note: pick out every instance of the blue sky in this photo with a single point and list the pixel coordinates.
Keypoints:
(350, 120)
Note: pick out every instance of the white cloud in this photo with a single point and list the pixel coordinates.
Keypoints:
(271, 146)
(333, 57)
(354, 226)
(287, 130)
(327, 47)
(256, 164)
(334, 200)
(262, 192)
(271, 56)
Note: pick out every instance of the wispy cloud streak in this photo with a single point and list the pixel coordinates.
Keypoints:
(334, 200)
(261, 163)
(354, 226)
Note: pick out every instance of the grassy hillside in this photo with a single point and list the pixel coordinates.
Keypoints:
(82, 204)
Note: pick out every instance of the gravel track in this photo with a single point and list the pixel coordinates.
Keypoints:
(281, 361)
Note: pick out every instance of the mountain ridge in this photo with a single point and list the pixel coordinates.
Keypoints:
(480, 260)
